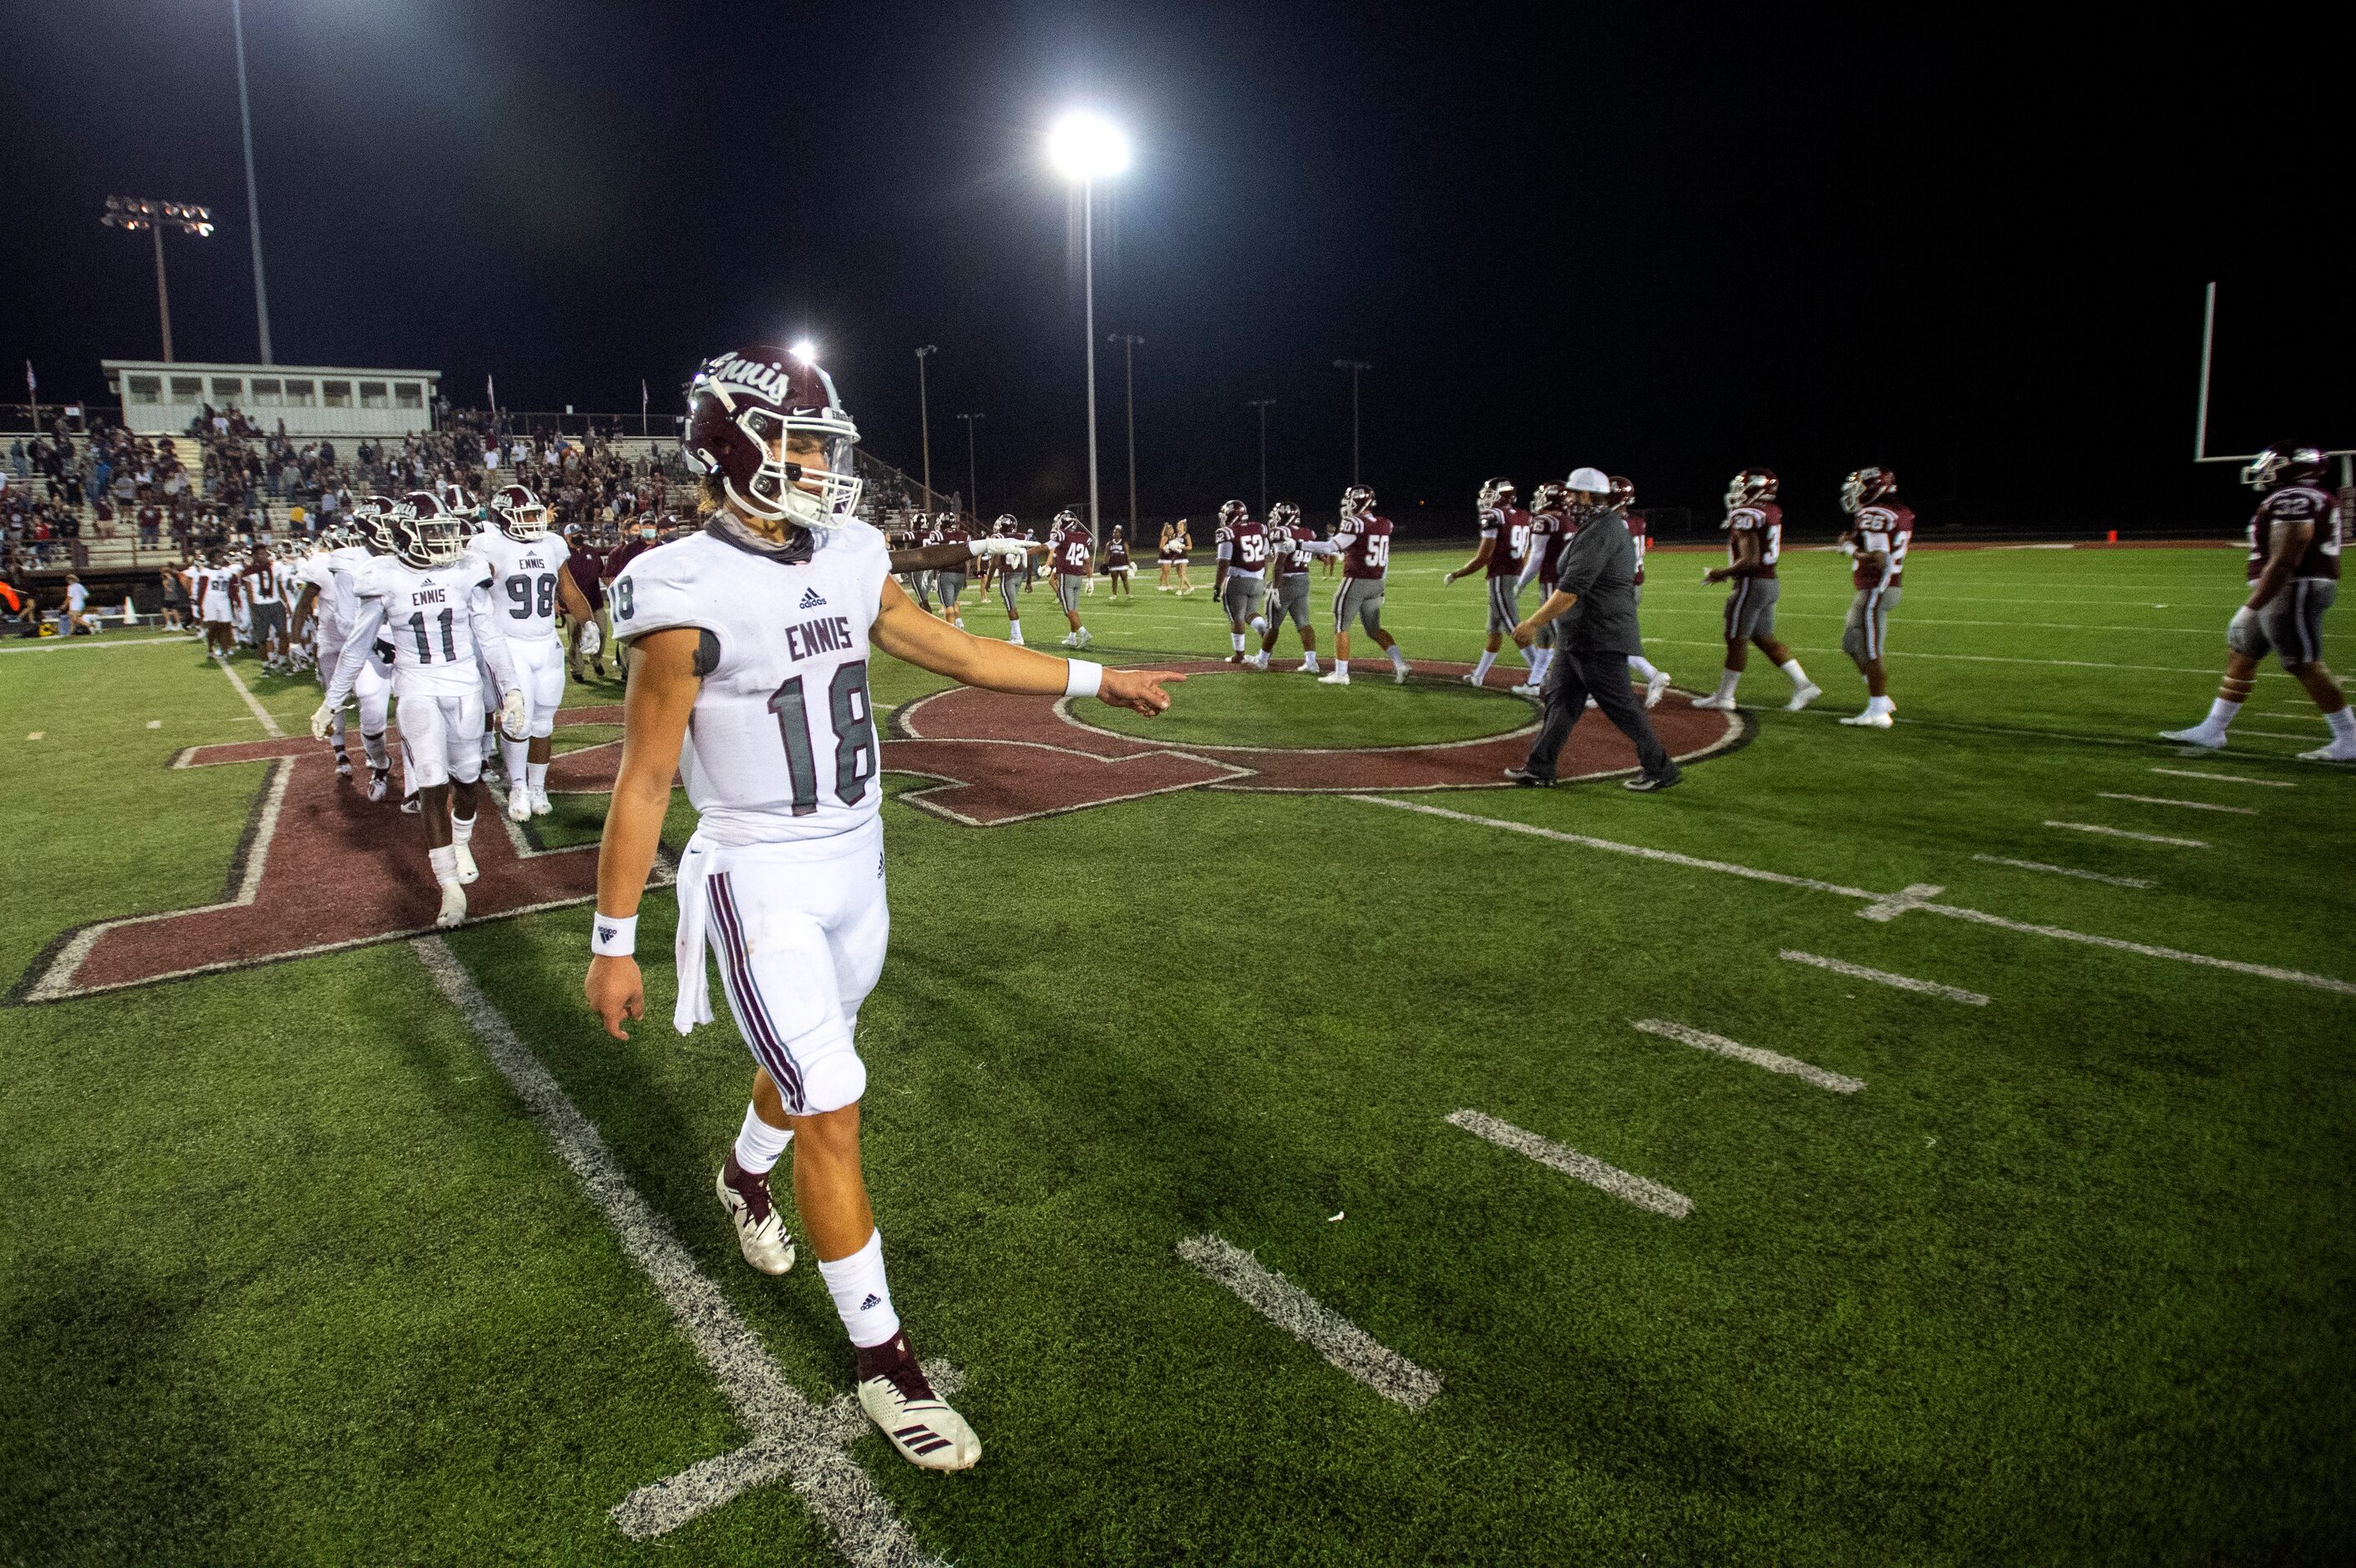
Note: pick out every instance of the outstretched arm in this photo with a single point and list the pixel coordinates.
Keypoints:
(929, 642)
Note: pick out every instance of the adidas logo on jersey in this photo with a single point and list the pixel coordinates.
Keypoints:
(811, 599)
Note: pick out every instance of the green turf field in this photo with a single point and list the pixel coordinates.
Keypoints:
(291, 1274)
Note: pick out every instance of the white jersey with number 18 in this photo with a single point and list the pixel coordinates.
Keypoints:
(781, 746)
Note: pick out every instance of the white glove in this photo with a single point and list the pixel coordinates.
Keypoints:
(515, 716)
(590, 641)
(1012, 551)
(323, 722)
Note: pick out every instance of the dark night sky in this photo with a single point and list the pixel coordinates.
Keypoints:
(1663, 241)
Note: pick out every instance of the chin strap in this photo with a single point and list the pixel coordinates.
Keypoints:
(794, 550)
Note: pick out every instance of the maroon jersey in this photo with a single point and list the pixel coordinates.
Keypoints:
(1546, 537)
(952, 533)
(1284, 542)
(1365, 546)
(2291, 505)
(585, 566)
(1074, 555)
(628, 551)
(1764, 521)
(1888, 527)
(1242, 546)
(1509, 529)
(1640, 537)
(1116, 551)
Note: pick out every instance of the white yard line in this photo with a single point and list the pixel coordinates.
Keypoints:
(261, 715)
(2187, 805)
(2123, 833)
(793, 1440)
(95, 644)
(2063, 871)
(2226, 778)
(1884, 977)
(1773, 1062)
(1585, 1167)
(1948, 912)
(1346, 1346)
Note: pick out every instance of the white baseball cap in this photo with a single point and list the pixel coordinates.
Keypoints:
(1590, 479)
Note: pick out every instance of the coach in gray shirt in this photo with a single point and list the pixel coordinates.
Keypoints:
(1594, 601)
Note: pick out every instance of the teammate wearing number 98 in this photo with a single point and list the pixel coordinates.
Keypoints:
(431, 600)
(757, 633)
(529, 585)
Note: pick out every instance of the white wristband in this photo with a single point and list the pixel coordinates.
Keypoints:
(614, 936)
(1082, 678)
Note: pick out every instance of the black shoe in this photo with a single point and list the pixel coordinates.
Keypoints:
(1526, 779)
(1647, 783)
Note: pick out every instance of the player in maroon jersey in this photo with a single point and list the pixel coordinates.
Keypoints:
(1548, 505)
(1754, 543)
(1875, 542)
(1623, 501)
(1072, 556)
(2294, 575)
(1239, 549)
(1288, 558)
(1504, 545)
(1363, 540)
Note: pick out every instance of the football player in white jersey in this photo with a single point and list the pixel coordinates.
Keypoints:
(758, 630)
(529, 585)
(325, 607)
(431, 598)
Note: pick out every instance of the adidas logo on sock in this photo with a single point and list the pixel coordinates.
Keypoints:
(872, 1303)
(811, 599)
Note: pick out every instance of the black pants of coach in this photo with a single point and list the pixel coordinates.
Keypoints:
(1570, 680)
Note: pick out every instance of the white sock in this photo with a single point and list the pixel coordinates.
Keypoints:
(446, 863)
(862, 1299)
(1481, 666)
(1728, 679)
(759, 1145)
(1308, 659)
(1398, 659)
(2344, 723)
(512, 755)
(462, 829)
(1792, 668)
(1014, 633)
(374, 746)
(1237, 638)
(1880, 705)
(1340, 666)
(1642, 665)
(1540, 659)
(2221, 713)
(536, 777)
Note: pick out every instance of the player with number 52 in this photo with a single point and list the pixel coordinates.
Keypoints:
(755, 633)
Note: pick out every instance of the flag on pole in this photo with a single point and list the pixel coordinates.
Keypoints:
(33, 387)
(491, 392)
(643, 399)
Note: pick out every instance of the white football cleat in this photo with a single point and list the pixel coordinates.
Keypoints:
(380, 782)
(1334, 677)
(1071, 639)
(1475, 680)
(343, 766)
(1722, 704)
(1525, 689)
(761, 1231)
(1803, 697)
(518, 804)
(539, 807)
(1258, 662)
(409, 805)
(1869, 719)
(2198, 735)
(894, 1392)
(2338, 751)
(454, 906)
(1656, 688)
(1308, 666)
(1084, 639)
(467, 870)
(1399, 674)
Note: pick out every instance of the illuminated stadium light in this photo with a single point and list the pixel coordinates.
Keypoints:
(134, 214)
(1084, 146)
(805, 351)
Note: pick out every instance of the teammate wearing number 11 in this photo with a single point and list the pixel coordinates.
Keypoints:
(748, 675)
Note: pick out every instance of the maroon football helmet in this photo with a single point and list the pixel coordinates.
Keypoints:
(1750, 486)
(520, 516)
(1549, 496)
(425, 532)
(1624, 492)
(1233, 512)
(2284, 464)
(1495, 493)
(1284, 514)
(373, 519)
(1865, 487)
(1357, 501)
(746, 409)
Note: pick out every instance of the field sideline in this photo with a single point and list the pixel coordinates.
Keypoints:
(1376, 1176)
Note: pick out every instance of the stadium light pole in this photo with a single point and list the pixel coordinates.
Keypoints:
(924, 419)
(1353, 367)
(1263, 405)
(1128, 342)
(972, 476)
(1084, 148)
(252, 202)
(131, 214)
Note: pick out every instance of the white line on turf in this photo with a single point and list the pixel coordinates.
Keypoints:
(1348, 1348)
(1949, 911)
(2123, 833)
(2063, 871)
(2277, 734)
(1585, 1167)
(2187, 805)
(2226, 778)
(1912, 896)
(1773, 1062)
(793, 1440)
(1884, 977)
(269, 725)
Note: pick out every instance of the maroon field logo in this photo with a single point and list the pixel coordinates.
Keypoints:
(319, 868)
